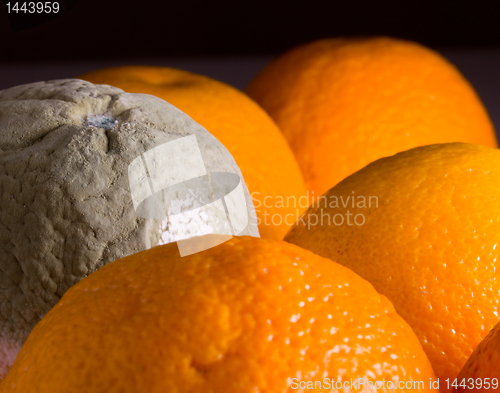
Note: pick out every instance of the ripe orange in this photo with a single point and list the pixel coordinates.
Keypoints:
(481, 373)
(343, 103)
(266, 161)
(422, 226)
(250, 315)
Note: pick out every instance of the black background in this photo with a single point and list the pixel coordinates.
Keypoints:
(232, 41)
(114, 29)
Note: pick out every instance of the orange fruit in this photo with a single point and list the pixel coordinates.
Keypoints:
(266, 161)
(343, 103)
(250, 315)
(481, 373)
(422, 226)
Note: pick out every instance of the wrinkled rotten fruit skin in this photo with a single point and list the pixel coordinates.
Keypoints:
(66, 207)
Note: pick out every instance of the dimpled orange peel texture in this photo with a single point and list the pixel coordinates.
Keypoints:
(425, 231)
(481, 373)
(249, 315)
(343, 103)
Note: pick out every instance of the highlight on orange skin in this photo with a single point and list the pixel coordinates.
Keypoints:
(248, 315)
(424, 230)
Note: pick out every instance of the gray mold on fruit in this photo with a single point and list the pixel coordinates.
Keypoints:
(66, 207)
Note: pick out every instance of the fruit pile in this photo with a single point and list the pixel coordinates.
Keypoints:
(374, 171)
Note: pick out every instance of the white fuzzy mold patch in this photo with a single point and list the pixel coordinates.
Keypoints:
(100, 121)
(8, 353)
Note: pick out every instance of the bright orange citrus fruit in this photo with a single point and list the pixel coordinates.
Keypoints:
(266, 161)
(343, 103)
(481, 373)
(250, 315)
(422, 226)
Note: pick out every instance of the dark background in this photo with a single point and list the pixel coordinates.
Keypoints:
(110, 29)
(232, 41)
